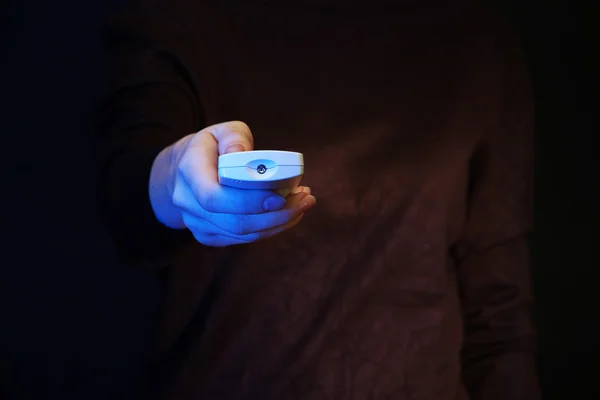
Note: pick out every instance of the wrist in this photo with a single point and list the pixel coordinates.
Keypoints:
(160, 190)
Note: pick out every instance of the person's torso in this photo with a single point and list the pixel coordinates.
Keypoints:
(359, 300)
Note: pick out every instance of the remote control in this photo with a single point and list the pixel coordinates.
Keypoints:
(261, 169)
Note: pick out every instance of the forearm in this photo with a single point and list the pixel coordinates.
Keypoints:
(161, 191)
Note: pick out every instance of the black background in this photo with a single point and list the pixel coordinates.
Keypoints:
(74, 323)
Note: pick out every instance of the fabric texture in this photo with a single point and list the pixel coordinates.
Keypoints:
(410, 278)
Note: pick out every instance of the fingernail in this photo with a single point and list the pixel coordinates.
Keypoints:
(308, 202)
(274, 203)
(306, 190)
(234, 148)
(301, 195)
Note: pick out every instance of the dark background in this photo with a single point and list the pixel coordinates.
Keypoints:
(74, 323)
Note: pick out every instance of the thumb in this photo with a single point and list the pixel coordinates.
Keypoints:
(232, 137)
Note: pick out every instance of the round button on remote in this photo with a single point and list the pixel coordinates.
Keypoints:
(261, 169)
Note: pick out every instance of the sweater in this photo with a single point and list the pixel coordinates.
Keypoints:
(410, 278)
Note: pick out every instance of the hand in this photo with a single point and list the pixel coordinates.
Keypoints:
(185, 191)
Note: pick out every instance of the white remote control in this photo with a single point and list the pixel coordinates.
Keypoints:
(261, 169)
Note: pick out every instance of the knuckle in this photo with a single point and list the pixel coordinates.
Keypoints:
(177, 198)
(184, 164)
(242, 129)
(239, 126)
(207, 200)
(241, 225)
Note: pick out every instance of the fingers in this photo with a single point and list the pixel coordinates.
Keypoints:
(223, 200)
(219, 215)
(240, 225)
(299, 189)
(197, 170)
(210, 235)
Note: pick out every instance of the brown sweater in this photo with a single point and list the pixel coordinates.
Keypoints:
(410, 278)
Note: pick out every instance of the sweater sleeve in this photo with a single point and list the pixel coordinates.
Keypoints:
(151, 102)
(492, 256)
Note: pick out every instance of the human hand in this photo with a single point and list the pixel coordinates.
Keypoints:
(185, 191)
